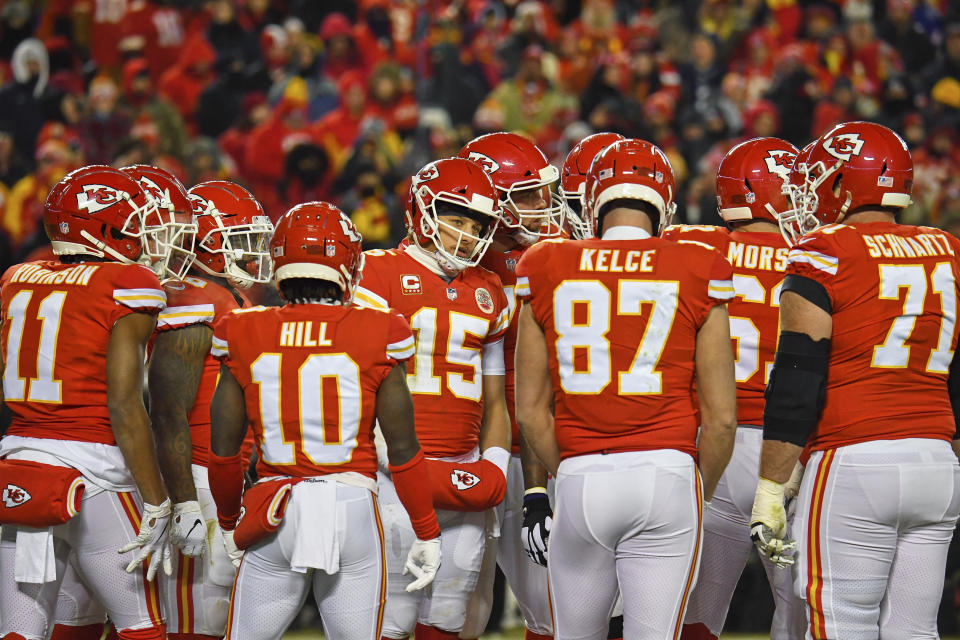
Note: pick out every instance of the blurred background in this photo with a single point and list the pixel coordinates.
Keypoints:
(343, 101)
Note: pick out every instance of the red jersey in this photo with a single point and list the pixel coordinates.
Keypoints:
(57, 319)
(310, 374)
(621, 320)
(505, 266)
(199, 301)
(893, 292)
(452, 323)
(759, 261)
(106, 31)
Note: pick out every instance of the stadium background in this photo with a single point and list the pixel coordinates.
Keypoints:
(343, 101)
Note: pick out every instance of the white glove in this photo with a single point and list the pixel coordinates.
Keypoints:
(232, 551)
(188, 530)
(423, 561)
(768, 523)
(152, 540)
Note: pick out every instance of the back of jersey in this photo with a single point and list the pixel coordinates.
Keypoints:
(893, 293)
(759, 261)
(57, 320)
(310, 375)
(620, 319)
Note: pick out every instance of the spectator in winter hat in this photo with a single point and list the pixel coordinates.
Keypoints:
(145, 104)
(104, 125)
(338, 130)
(183, 83)
(28, 101)
(906, 35)
(340, 51)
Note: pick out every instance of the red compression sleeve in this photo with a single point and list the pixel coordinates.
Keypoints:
(412, 481)
(226, 485)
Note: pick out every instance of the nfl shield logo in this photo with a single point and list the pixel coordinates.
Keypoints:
(331, 249)
(64, 228)
(451, 293)
(511, 264)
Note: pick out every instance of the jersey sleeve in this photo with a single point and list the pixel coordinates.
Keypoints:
(372, 292)
(137, 289)
(400, 344)
(816, 257)
(720, 287)
(219, 347)
(194, 305)
(502, 321)
(525, 271)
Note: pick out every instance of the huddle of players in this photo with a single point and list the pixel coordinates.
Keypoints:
(660, 475)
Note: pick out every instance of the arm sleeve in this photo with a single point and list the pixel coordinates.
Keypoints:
(492, 359)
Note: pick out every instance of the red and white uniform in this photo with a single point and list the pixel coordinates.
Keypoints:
(310, 375)
(196, 596)
(881, 493)
(57, 321)
(459, 328)
(620, 317)
(527, 580)
(759, 262)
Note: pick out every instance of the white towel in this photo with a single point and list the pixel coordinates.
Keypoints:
(34, 560)
(313, 512)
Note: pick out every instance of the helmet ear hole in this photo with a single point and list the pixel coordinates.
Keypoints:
(838, 181)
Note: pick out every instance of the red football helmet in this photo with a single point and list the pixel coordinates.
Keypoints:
(233, 233)
(751, 177)
(169, 246)
(630, 169)
(574, 174)
(98, 211)
(460, 183)
(515, 164)
(317, 240)
(853, 165)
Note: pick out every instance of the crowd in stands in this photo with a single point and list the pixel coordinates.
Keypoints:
(342, 101)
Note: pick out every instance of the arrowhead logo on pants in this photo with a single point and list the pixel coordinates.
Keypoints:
(14, 496)
(463, 480)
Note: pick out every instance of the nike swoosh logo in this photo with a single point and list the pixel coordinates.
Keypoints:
(195, 523)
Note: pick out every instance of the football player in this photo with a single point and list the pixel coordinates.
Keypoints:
(750, 196)
(233, 234)
(574, 174)
(523, 178)
(79, 469)
(613, 334)
(863, 378)
(459, 315)
(312, 376)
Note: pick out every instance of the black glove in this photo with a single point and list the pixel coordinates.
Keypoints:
(537, 520)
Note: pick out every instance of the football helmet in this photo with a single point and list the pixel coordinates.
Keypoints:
(233, 233)
(630, 169)
(461, 183)
(853, 165)
(574, 174)
(515, 164)
(169, 243)
(98, 211)
(750, 180)
(317, 240)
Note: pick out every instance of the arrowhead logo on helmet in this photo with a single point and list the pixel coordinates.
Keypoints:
(779, 161)
(348, 229)
(489, 164)
(14, 496)
(843, 146)
(97, 197)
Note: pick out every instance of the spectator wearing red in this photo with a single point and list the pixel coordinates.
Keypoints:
(341, 53)
(183, 83)
(154, 31)
(104, 125)
(373, 35)
(152, 110)
(233, 142)
(338, 130)
(103, 23)
(269, 143)
(397, 110)
(836, 108)
(761, 119)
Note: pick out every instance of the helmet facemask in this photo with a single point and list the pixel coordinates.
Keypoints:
(481, 208)
(168, 242)
(573, 213)
(245, 249)
(802, 217)
(527, 226)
